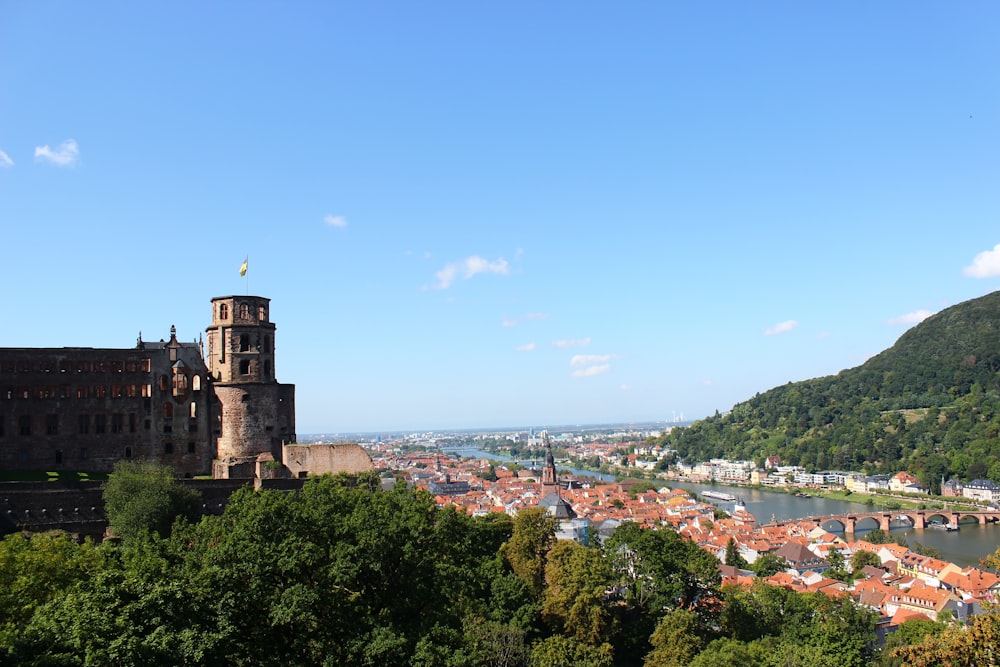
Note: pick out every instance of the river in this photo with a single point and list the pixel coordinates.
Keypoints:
(963, 547)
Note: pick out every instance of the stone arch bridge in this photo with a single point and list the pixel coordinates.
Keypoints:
(918, 518)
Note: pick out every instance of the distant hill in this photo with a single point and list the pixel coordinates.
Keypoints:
(930, 404)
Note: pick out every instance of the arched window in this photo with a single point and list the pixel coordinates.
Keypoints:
(180, 382)
(261, 314)
(244, 342)
(245, 367)
(168, 410)
(244, 311)
(223, 311)
(195, 383)
(194, 410)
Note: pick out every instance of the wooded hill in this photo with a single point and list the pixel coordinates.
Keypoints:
(930, 404)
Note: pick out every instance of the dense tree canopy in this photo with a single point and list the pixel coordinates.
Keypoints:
(140, 497)
(344, 573)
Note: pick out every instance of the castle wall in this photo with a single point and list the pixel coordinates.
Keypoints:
(86, 408)
(304, 460)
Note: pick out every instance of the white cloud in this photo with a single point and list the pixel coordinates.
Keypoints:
(780, 328)
(985, 265)
(468, 267)
(507, 324)
(587, 359)
(65, 155)
(335, 220)
(525, 348)
(915, 317)
(5, 160)
(707, 383)
(568, 342)
(823, 335)
(625, 387)
(591, 371)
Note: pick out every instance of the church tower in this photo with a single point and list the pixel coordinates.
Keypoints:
(549, 478)
(253, 413)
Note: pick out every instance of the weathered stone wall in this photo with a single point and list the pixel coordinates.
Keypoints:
(304, 460)
(241, 340)
(79, 507)
(86, 408)
(253, 421)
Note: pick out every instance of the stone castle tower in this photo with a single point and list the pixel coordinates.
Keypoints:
(254, 413)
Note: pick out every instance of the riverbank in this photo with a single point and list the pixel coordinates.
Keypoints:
(876, 501)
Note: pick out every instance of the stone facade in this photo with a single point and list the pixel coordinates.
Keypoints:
(255, 414)
(303, 460)
(86, 408)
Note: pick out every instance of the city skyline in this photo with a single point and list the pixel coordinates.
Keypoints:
(471, 216)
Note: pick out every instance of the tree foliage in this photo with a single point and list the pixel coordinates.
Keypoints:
(575, 601)
(526, 551)
(344, 573)
(141, 496)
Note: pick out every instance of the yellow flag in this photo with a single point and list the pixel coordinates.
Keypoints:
(243, 267)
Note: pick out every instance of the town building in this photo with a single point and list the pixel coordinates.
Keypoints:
(982, 489)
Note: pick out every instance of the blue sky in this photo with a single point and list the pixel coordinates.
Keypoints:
(474, 214)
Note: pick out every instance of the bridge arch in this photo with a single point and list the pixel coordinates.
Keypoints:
(835, 525)
(866, 523)
(937, 517)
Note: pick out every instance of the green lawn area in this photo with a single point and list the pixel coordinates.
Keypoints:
(51, 476)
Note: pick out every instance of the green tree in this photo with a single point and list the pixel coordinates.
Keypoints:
(142, 497)
(494, 644)
(724, 652)
(837, 564)
(733, 556)
(574, 602)
(655, 571)
(767, 565)
(559, 651)
(909, 633)
(35, 570)
(529, 544)
(678, 638)
(861, 559)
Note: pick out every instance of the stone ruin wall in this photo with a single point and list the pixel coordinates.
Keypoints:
(321, 459)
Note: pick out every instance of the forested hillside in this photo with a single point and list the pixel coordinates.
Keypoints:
(930, 404)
